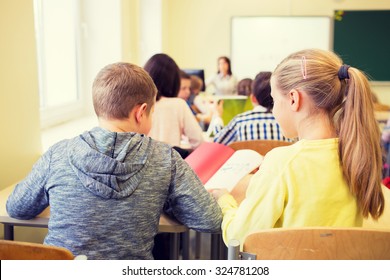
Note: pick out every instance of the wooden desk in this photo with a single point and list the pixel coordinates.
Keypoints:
(166, 224)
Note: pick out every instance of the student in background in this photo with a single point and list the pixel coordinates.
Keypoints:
(189, 92)
(216, 123)
(201, 104)
(196, 88)
(224, 82)
(185, 87)
(173, 120)
(385, 135)
(255, 124)
(332, 175)
(244, 87)
(107, 187)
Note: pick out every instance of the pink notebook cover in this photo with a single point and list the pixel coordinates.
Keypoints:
(208, 158)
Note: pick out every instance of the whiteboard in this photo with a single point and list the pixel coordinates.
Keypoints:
(261, 43)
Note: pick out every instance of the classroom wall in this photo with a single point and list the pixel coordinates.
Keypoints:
(195, 33)
(19, 99)
(102, 39)
(141, 30)
(130, 30)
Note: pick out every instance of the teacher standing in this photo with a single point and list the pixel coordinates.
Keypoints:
(223, 83)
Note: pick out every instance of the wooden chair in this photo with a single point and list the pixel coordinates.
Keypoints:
(16, 250)
(261, 146)
(322, 243)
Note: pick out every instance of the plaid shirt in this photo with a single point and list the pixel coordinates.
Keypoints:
(251, 125)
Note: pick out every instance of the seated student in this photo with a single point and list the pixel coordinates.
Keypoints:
(385, 135)
(173, 120)
(258, 123)
(216, 122)
(201, 105)
(196, 89)
(185, 87)
(107, 187)
(332, 175)
(244, 87)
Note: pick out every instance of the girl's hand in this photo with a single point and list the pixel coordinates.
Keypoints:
(217, 193)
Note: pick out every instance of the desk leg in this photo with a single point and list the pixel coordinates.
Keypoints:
(215, 244)
(198, 244)
(186, 245)
(222, 250)
(174, 239)
(8, 232)
(218, 248)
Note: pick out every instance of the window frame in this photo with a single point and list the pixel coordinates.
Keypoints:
(53, 115)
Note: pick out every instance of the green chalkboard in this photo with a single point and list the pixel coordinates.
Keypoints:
(362, 39)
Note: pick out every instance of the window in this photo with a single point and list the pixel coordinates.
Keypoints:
(57, 36)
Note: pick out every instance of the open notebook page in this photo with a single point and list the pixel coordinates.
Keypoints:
(241, 163)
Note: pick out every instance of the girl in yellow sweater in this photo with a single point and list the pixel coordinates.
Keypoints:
(332, 175)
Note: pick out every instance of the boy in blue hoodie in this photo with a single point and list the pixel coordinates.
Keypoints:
(107, 187)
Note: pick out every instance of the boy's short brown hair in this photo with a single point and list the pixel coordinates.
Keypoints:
(119, 87)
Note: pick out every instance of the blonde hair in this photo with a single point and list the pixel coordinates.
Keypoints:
(119, 87)
(349, 106)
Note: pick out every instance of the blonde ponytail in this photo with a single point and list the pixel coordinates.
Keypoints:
(359, 145)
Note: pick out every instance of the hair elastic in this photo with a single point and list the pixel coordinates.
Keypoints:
(343, 72)
(303, 67)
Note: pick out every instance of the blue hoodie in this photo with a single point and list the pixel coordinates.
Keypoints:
(106, 192)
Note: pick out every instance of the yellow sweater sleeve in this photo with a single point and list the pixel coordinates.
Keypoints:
(229, 208)
(261, 208)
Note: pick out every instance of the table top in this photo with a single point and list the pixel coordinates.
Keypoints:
(166, 224)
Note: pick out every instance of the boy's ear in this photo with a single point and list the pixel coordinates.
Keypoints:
(295, 100)
(140, 111)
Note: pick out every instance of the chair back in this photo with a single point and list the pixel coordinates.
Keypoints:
(322, 243)
(260, 146)
(16, 250)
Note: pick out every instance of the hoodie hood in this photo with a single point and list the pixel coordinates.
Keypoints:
(109, 164)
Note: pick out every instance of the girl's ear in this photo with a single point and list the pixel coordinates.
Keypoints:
(295, 99)
(140, 111)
